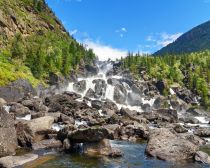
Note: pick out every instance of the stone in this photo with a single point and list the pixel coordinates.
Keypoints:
(15, 161)
(166, 145)
(47, 144)
(8, 138)
(66, 145)
(202, 157)
(80, 86)
(91, 134)
(202, 132)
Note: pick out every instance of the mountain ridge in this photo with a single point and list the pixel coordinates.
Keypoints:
(196, 39)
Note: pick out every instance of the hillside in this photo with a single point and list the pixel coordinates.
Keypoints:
(34, 43)
(197, 39)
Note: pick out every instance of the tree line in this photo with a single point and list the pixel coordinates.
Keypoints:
(189, 70)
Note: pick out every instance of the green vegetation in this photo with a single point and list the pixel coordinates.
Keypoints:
(38, 45)
(189, 70)
(197, 39)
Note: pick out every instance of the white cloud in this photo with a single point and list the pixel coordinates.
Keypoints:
(105, 52)
(73, 32)
(121, 31)
(163, 39)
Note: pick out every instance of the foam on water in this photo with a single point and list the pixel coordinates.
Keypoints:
(78, 123)
(7, 108)
(202, 120)
(27, 117)
(57, 127)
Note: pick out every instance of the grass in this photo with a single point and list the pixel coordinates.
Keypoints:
(11, 71)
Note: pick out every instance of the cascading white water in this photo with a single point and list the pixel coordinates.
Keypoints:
(109, 90)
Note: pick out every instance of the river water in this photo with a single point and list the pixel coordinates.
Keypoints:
(134, 157)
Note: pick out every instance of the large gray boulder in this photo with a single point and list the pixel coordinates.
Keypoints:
(167, 145)
(8, 138)
(14, 161)
(80, 86)
(91, 134)
(29, 132)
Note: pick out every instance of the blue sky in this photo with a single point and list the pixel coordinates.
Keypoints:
(113, 27)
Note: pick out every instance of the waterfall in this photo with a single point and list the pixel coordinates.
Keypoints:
(110, 90)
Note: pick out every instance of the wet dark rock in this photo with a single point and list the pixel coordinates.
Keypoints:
(92, 134)
(115, 153)
(35, 104)
(160, 102)
(96, 104)
(120, 94)
(16, 90)
(202, 132)
(18, 109)
(80, 86)
(91, 70)
(146, 107)
(134, 99)
(180, 129)
(100, 87)
(113, 81)
(161, 86)
(90, 93)
(137, 130)
(64, 104)
(73, 95)
(166, 145)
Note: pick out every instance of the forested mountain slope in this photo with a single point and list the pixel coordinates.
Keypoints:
(34, 43)
(197, 39)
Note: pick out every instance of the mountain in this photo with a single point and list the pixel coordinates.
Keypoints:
(197, 39)
(35, 44)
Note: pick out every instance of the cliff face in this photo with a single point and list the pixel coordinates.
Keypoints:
(26, 17)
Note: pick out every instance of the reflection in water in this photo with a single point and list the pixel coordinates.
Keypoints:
(134, 157)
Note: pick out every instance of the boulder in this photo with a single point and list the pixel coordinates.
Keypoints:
(180, 129)
(16, 161)
(100, 87)
(80, 86)
(47, 144)
(102, 147)
(73, 95)
(66, 145)
(8, 138)
(202, 157)
(35, 104)
(166, 145)
(96, 104)
(161, 86)
(202, 132)
(135, 130)
(134, 99)
(32, 131)
(16, 90)
(90, 93)
(18, 109)
(120, 94)
(91, 134)
(91, 70)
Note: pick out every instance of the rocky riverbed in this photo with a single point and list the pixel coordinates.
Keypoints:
(100, 104)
